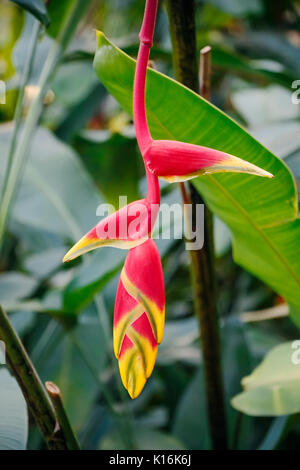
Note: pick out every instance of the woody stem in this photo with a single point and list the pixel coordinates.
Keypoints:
(31, 385)
(182, 24)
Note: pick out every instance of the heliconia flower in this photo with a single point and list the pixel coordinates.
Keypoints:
(128, 227)
(178, 161)
(139, 316)
(140, 302)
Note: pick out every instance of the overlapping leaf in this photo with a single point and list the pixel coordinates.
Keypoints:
(36, 7)
(13, 414)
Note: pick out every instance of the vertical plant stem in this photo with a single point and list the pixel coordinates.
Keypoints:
(66, 429)
(205, 72)
(182, 25)
(31, 385)
(18, 111)
(77, 9)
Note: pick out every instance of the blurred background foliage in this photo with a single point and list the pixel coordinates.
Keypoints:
(84, 153)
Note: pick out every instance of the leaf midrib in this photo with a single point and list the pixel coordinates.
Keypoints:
(240, 209)
(285, 262)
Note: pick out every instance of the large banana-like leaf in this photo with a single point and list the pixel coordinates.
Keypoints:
(262, 213)
(13, 414)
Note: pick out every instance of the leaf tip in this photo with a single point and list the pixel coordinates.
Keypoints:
(100, 38)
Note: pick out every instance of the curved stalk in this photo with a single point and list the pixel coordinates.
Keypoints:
(139, 108)
(143, 135)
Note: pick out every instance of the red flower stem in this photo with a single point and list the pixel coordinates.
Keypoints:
(153, 192)
(143, 135)
(182, 23)
(139, 108)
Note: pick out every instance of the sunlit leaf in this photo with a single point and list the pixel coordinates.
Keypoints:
(273, 387)
(262, 214)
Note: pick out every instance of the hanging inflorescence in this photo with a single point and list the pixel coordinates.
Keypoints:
(140, 301)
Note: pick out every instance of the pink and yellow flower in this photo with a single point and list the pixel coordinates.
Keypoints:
(130, 226)
(139, 316)
(140, 302)
(179, 161)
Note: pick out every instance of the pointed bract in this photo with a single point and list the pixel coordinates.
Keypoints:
(180, 161)
(128, 227)
(139, 316)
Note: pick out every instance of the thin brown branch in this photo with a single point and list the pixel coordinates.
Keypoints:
(182, 24)
(64, 423)
(205, 72)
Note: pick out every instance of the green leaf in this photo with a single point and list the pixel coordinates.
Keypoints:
(270, 44)
(73, 82)
(238, 8)
(59, 13)
(222, 58)
(92, 277)
(36, 7)
(261, 213)
(56, 193)
(45, 262)
(22, 321)
(232, 62)
(103, 152)
(74, 360)
(144, 439)
(13, 413)
(15, 285)
(191, 420)
(273, 388)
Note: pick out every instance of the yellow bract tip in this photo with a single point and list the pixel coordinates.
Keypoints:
(82, 246)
